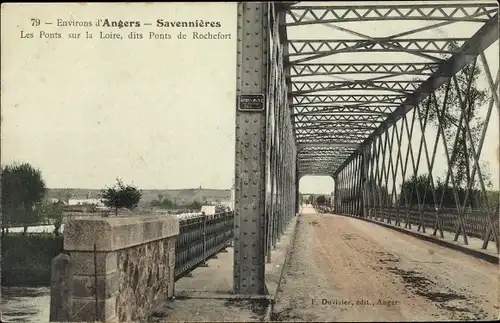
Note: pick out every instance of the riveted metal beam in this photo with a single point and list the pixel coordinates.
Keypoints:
(252, 69)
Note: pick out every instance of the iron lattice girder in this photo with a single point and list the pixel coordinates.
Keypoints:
(327, 163)
(347, 98)
(338, 126)
(330, 165)
(332, 46)
(304, 87)
(332, 131)
(352, 141)
(316, 167)
(479, 42)
(354, 138)
(441, 12)
(311, 69)
(325, 157)
(330, 160)
(306, 168)
(324, 135)
(353, 110)
(337, 159)
(340, 118)
(326, 146)
(314, 171)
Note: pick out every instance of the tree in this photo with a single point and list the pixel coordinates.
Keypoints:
(54, 212)
(416, 187)
(321, 200)
(444, 193)
(121, 196)
(23, 187)
(162, 202)
(195, 205)
(450, 122)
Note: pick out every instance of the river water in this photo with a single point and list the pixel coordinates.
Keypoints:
(25, 304)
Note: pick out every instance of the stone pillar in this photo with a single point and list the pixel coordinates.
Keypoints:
(122, 266)
(171, 267)
(61, 289)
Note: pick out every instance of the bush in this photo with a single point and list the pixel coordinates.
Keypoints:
(26, 259)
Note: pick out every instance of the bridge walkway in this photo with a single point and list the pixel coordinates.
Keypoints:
(340, 267)
(206, 294)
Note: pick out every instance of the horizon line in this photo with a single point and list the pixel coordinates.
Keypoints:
(164, 189)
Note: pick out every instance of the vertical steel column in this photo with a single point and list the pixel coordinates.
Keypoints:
(358, 176)
(351, 188)
(335, 194)
(359, 192)
(279, 181)
(297, 193)
(342, 192)
(273, 96)
(364, 182)
(249, 221)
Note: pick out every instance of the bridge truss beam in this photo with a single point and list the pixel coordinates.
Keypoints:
(406, 123)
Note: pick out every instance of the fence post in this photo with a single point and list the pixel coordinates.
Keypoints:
(204, 238)
(225, 242)
(61, 293)
(226, 216)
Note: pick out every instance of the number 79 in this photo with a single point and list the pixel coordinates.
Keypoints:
(35, 22)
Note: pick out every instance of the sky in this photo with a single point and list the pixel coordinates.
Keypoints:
(157, 113)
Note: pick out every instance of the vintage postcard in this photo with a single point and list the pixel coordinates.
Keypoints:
(250, 161)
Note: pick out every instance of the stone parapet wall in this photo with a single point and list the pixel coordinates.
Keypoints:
(130, 259)
(147, 278)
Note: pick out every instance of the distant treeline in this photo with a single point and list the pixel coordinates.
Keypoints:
(163, 202)
(419, 190)
(148, 195)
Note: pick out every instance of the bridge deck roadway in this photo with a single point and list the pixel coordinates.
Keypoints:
(337, 259)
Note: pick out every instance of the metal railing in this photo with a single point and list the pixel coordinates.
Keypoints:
(476, 221)
(200, 238)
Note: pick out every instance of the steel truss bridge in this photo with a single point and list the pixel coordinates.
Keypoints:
(371, 95)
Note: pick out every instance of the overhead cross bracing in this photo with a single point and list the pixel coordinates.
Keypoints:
(354, 70)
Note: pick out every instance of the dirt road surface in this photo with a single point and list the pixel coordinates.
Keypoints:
(345, 269)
